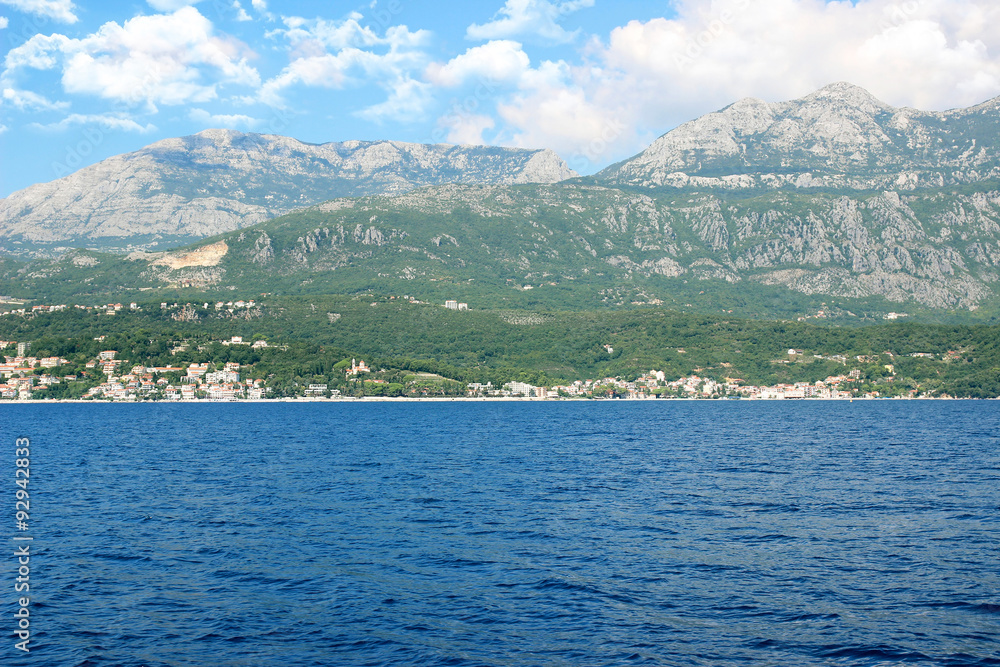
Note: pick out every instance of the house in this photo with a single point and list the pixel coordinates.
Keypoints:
(195, 371)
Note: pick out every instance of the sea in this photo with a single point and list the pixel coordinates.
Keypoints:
(718, 533)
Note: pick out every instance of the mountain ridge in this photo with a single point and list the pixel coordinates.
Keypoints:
(836, 200)
(840, 136)
(184, 188)
(567, 245)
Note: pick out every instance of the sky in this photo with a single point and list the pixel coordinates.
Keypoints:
(594, 80)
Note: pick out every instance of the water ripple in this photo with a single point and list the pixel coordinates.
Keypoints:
(516, 534)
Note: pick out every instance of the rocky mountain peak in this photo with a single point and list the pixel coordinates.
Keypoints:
(840, 136)
(847, 94)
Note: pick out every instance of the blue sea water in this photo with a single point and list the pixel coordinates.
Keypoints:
(592, 533)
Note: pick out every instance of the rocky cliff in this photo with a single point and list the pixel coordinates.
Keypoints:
(777, 254)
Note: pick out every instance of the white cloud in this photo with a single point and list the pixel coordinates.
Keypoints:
(39, 52)
(464, 129)
(58, 10)
(529, 17)
(3, 22)
(232, 121)
(328, 54)
(496, 61)
(916, 52)
(305, 35)
(260, 6)
(169, 59)
(551, 110)
(105, 121)
(648, 77)
(25, 100)
(323, 71)
(408, 101)
(241, 14)
(3, 128)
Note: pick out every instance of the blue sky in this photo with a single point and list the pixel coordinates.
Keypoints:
(594, 80)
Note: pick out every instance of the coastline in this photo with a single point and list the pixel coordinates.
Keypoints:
(481, 399)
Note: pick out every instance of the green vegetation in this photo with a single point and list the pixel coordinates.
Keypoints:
(773, 255)
(319, 334)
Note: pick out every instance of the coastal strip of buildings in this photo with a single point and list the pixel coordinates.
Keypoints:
(654, 385)
(26, 377)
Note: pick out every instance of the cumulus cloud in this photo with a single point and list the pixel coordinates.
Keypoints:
(550, 109)
(58, 10)
(232, 121)
(649, 76)
(324, 71)
(25, 100)
(3, 22)
(105, 121)
(332, 54)
(407, 102)
(463, 129)
(529, 17)
(305, 35)
(166, 58)
(499, 60)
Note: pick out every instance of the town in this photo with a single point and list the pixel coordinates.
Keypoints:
(32, 378)
(234, 368)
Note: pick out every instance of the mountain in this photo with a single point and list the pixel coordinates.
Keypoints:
(778, 254)
(789, 224)
(838, 137)
(177, 190)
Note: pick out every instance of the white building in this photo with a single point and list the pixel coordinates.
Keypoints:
(522, 388)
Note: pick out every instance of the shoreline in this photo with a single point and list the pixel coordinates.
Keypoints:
(477, 399)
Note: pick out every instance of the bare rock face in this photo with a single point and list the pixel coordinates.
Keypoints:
(838, 137)
(220, 180)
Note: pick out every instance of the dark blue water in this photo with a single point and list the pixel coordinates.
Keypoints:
(612, 533)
